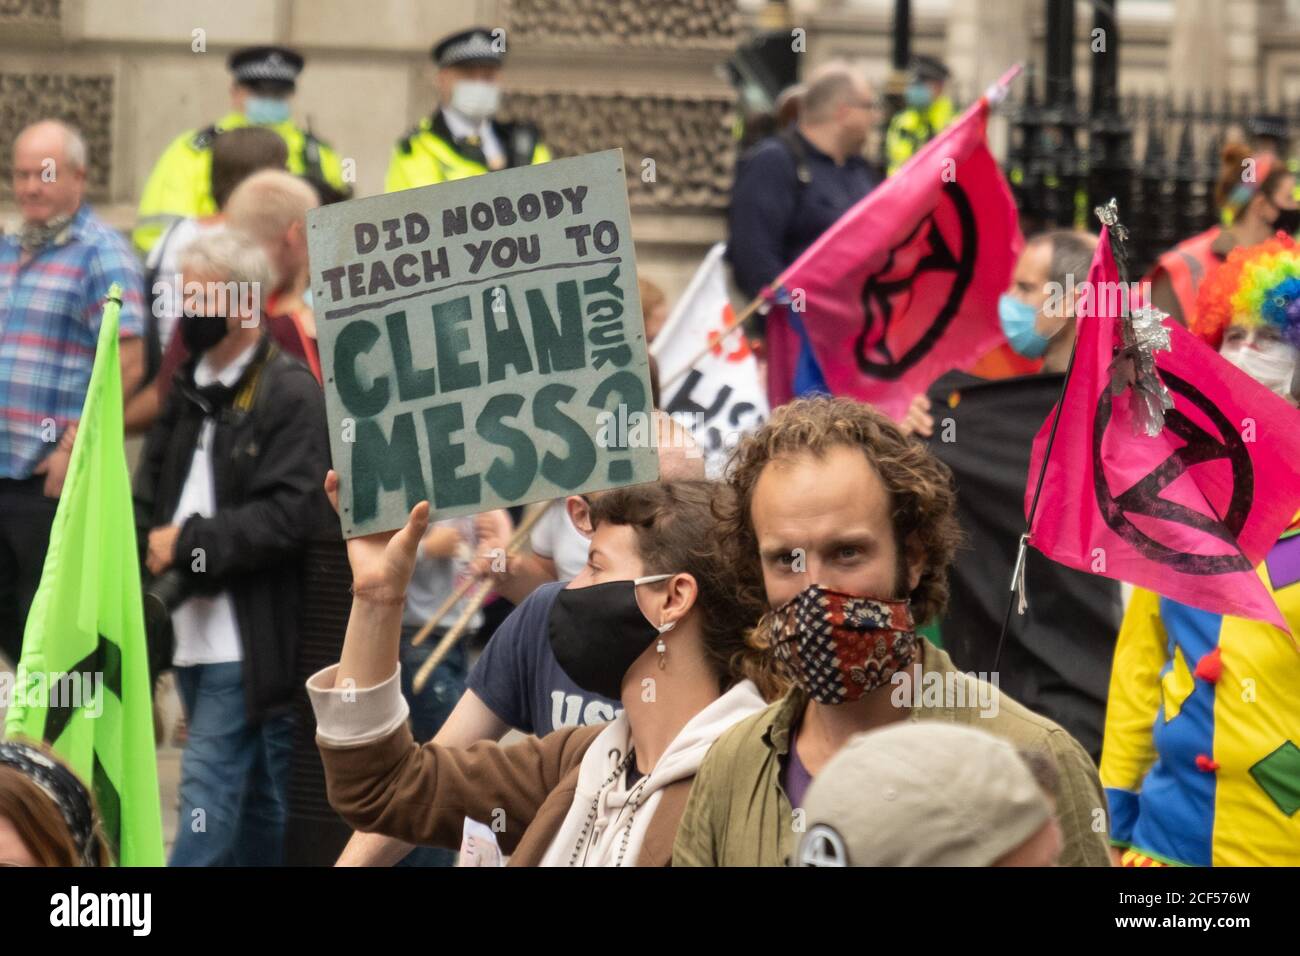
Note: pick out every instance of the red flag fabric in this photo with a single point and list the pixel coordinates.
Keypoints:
(1189, 513)
(904, 287)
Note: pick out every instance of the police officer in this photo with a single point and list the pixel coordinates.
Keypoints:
(461, 139)
(180, 184)
(927, 111)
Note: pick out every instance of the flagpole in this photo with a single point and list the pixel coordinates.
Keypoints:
(467, 585)
(481, 588)
(1016, 593)
(1022, 552)
(736, 322)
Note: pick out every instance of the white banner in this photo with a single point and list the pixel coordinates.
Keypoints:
(721, 397)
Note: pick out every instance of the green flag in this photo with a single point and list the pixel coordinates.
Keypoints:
(82, 683)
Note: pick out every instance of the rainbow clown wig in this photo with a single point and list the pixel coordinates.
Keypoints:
(1257, 285)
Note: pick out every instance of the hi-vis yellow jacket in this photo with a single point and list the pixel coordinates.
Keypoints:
(911, 129)
(430, 154)
(180, 185)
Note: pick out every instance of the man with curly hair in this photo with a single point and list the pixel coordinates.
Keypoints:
(850, 525)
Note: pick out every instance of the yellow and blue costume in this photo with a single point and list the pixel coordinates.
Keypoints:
(1201, 758)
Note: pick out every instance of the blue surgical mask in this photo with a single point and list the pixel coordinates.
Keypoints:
(266, 110)
(1018, 326)
(918, 96)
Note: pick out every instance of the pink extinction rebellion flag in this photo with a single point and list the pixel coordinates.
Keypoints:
(1189, 513)
(904, 287)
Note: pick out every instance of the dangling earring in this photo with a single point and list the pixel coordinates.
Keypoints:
(661, 647)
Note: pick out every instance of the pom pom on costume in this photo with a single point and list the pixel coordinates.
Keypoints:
(1210, 667)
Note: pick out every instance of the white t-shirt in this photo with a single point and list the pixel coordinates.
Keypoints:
(205, 627)
(555, 537)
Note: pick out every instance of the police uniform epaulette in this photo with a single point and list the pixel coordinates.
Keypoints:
(204, 137)
(309, 137)
(404, 143)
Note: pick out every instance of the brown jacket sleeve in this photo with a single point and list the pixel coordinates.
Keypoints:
(420, 794)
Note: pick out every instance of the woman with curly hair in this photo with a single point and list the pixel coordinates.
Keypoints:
(847, 529)
(1201, 758)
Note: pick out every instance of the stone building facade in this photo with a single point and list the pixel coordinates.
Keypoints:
(642, 74)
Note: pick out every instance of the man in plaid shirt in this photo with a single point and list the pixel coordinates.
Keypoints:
(54, 277)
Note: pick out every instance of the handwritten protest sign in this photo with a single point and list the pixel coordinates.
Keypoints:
(482, 342)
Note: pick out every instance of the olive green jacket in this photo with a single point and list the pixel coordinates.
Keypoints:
(738, 814)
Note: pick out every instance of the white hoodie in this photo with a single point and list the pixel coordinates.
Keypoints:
(616, 804)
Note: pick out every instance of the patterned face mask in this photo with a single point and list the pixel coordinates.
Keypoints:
(838, 647)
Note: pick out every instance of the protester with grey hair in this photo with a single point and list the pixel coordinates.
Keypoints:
(55, 275)
(269, 206)
(227, 495)
(236, 155)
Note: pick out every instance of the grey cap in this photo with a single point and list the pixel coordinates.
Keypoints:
(921, 793)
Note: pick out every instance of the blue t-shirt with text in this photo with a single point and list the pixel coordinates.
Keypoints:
(519, 679)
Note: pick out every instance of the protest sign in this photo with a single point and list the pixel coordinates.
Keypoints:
(720, 396)
(482, 342)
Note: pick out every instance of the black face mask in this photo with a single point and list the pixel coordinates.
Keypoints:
(598, 632)
(1288, 221)
(202, 332)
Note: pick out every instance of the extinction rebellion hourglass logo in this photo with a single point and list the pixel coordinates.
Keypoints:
(1144, 500)
(946, 241)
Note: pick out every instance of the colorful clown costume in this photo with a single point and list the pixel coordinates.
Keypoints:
(1201, 757)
